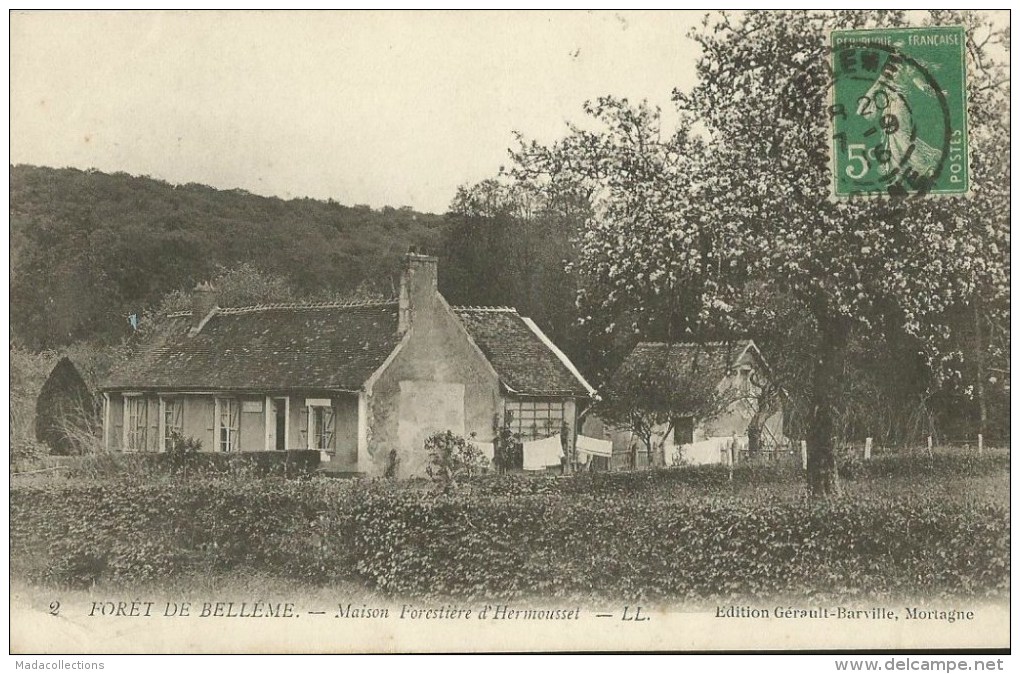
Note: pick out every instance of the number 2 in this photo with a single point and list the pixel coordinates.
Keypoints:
(855, 152)
(54, 607)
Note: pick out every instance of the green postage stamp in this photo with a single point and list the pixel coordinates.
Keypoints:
(899, 112)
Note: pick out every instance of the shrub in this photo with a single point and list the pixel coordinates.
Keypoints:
(452, 458)
(26, 454)
(664, 534)
(181, 451)
(392, 468)
(66, 414)
(185, 454)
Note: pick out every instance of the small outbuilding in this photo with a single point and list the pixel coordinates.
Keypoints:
(749, 420)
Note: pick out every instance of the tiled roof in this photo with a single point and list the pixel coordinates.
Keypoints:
(325, 346)
(329, 347)
(515, 347)
(683, 358)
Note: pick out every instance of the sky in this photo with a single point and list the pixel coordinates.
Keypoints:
(385, 109)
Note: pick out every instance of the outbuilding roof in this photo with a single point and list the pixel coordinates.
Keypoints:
(681, 359)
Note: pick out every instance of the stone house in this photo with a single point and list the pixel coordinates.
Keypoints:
(744, 382)
(356, 381)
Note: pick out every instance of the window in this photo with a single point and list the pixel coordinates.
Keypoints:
(136, 412)
(744, 380)
(537, 419)
(173, 420)
(683, 430)
(323, 423)
(228, 422)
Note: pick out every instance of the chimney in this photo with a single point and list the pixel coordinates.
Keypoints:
(418, 289)
(203, 301)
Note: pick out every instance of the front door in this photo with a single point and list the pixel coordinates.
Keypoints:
(277, 430)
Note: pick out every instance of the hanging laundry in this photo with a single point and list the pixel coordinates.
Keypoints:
(540, 454)
(594, 446)
(713, 450)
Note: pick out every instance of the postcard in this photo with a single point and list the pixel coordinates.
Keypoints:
(509, 332)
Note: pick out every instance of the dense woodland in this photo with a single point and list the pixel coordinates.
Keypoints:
(89, 249)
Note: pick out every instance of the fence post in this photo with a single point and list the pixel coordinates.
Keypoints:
(733, 442)
(867, 449)
(981, 444)
(803, 454)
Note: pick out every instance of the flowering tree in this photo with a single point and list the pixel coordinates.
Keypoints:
(738, 198)
(655, 388)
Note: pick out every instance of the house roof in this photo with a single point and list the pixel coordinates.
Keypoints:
(527, 362)
(329, 346)
(680, 359)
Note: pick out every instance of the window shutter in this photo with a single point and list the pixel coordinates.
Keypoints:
(117, 437)
(303, 428)
(152, 415)
(328, 424)
(179, 415)
(235, 425)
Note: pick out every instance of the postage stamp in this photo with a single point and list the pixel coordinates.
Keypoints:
(899, 112)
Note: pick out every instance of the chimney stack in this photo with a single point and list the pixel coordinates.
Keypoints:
(418, 288)
(203, 302)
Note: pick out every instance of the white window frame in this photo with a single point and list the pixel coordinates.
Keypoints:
(232, 433)
(165, 405)
(107, 418)
(132, 400)
(322, 442)
(552, 410)
(313, 435)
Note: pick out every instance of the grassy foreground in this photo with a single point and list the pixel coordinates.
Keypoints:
(907, 526)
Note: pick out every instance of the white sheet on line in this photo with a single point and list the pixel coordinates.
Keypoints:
(539, 454)
(713, 450)
(594, 446)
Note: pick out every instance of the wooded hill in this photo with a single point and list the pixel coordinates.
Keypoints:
(90, 248)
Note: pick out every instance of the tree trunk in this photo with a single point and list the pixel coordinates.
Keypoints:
(979, 357)
(754, 437)
(823, 480)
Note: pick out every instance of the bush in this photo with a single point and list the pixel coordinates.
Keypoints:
(611, 536)
(181, 451)
(185, 456)
(66, 413)
(452, 459)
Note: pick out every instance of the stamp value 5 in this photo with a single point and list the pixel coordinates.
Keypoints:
(899, 112)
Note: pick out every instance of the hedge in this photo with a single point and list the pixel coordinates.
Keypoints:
(597, 536)
(289, 463)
